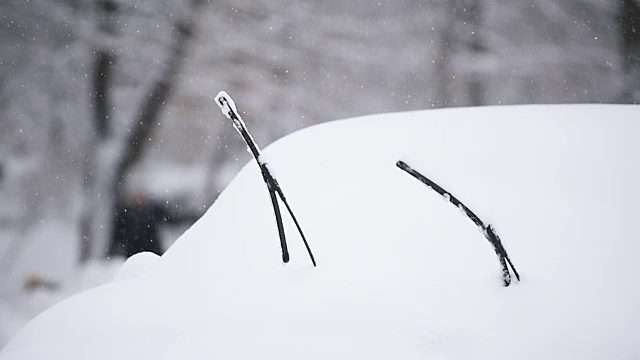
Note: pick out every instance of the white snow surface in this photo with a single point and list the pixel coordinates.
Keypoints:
(401, 274)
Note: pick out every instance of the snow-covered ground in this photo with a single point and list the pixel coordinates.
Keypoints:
(401, 274)
(42, 272)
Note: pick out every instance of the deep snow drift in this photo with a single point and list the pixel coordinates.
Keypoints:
(401, 274)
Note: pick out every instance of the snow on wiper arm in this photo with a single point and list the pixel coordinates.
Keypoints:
(228, 107)
(487, 229)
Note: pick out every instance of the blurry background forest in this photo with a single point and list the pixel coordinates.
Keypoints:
(102, 98)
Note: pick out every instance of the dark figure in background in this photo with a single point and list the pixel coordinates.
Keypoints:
(137, 226)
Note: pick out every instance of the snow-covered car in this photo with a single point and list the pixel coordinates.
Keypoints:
(400, 274)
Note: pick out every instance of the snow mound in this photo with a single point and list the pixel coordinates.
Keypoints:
(137, 265)
(401, 274)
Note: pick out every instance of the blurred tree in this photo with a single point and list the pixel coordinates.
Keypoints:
(629, 22)
(543, 52)
(475, 49)
(462, 79)
(111, 156)
(39, 67)
(97, 194)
